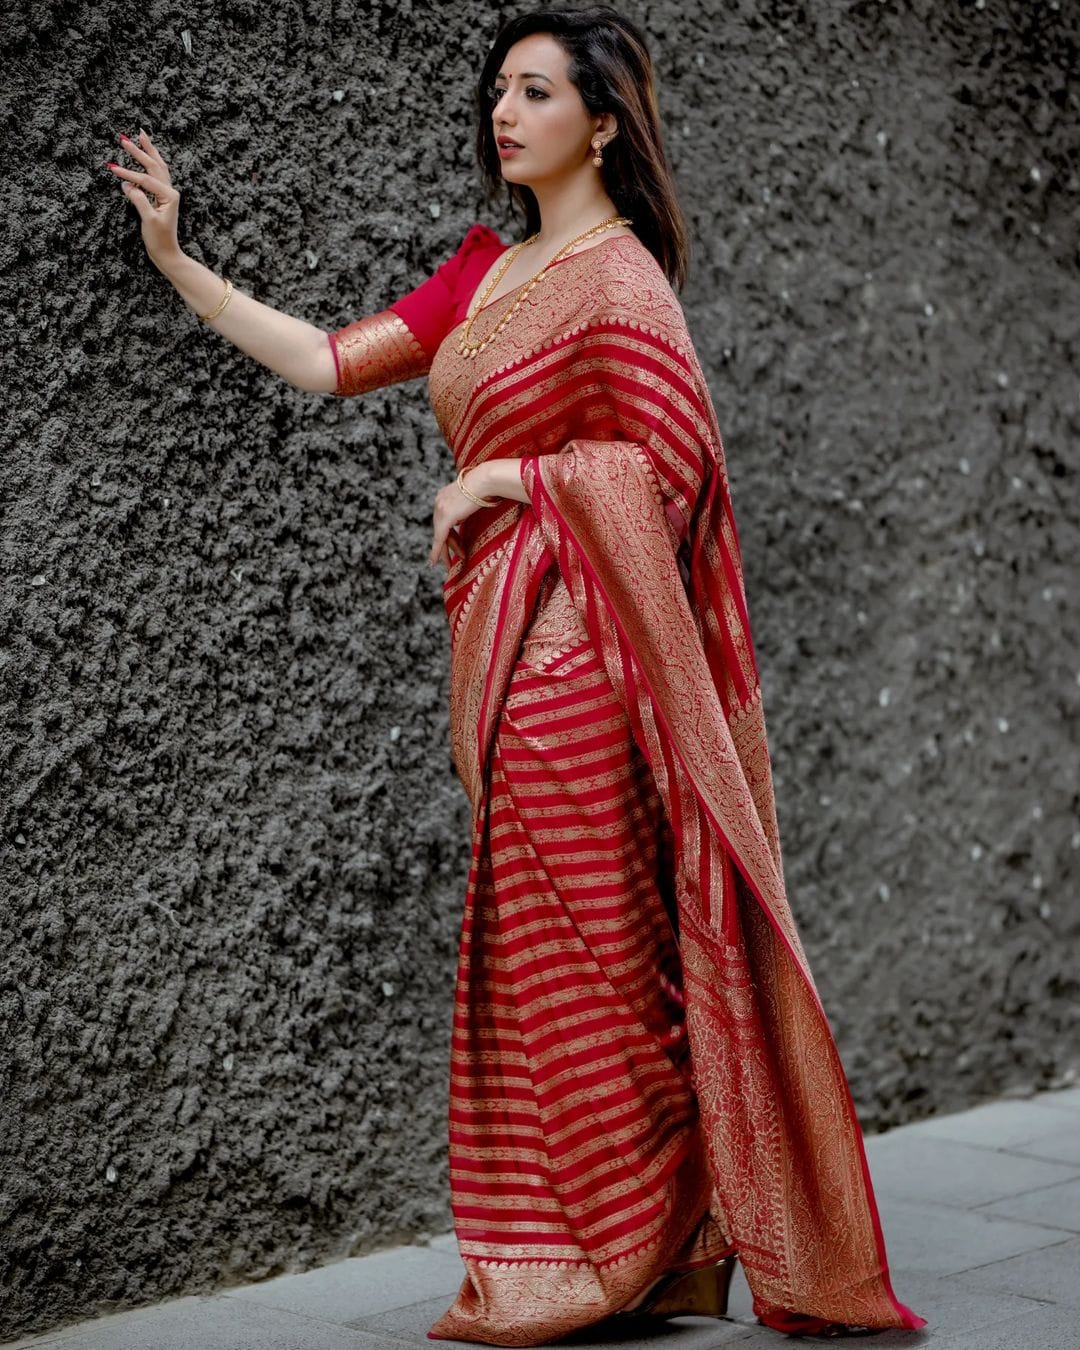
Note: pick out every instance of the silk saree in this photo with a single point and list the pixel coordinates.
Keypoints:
(642, 1075)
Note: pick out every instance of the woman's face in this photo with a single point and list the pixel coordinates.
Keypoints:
(534, 104)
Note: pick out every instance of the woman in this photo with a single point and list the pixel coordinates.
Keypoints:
(643, 1081)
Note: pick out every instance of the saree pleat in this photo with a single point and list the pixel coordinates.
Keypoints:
(575, 1145)
(642, 1074)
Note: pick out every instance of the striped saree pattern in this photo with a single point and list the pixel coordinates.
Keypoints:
(642, 1074)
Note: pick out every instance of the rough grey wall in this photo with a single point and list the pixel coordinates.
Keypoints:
(234, 848)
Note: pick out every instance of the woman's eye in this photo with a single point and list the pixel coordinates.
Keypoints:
(495, 93)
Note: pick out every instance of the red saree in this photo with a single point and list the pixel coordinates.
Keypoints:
(642, 1074)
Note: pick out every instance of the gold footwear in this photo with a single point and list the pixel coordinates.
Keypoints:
(702, 1292)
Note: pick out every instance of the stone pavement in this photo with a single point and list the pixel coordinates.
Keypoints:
(981, 1212)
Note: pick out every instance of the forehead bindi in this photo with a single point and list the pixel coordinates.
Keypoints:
(534, 59)
(525, 75)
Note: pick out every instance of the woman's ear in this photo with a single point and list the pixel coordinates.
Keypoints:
(607, 127)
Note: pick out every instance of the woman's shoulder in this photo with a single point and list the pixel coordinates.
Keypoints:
(636, 287)
(477, 237)
(474, 255)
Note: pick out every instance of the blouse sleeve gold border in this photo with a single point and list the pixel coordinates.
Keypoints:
(378, 350)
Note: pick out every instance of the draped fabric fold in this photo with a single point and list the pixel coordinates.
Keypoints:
(642, 1073)
(784, 1142)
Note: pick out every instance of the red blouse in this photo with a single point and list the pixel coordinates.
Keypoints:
(399, 342)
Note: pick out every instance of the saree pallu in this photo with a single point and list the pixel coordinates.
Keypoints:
(642, 1074)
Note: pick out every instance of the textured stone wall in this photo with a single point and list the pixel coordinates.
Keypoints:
(234, 848)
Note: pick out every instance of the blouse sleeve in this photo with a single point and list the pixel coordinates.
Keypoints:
(398, 343)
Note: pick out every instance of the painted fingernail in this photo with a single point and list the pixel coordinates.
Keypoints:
(111, 164)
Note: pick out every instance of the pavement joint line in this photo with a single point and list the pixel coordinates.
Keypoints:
(1033, 1190)
(1034, 1223)
(1019, 1151)
(996, 1148)
(943, 1207)
(1004, 1260)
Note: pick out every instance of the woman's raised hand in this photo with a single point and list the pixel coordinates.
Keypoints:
(158, 218)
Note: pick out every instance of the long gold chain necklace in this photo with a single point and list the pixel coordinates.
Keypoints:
(466, 346)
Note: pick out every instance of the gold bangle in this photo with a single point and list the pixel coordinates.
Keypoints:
(224, 301)
(480, 501)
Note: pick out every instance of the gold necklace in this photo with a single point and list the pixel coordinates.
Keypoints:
(466, 346)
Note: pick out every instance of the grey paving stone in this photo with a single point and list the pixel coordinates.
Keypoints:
(998, 1124)
(948, 1306)
(1054, 1206)
(1052, 1274)
(1062, 1147)
(740, 1300)
(215, 1323)
(765, 1339)
(1044, 1328)
(942, 1241)
(409, 1325)
(347, 1291)
(967, 1202)
(1062, 1097)
(680, 1333)
(917, 1167)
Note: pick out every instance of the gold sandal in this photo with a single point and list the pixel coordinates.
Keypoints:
(702, 1292)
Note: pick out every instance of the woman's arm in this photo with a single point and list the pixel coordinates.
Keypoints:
(497, 478)
(493, 478)
(292, 348)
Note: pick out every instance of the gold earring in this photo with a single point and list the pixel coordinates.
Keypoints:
(597, 145)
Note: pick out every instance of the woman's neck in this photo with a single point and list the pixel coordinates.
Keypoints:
(568, 210)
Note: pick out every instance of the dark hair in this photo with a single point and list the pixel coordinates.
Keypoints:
(612, 70)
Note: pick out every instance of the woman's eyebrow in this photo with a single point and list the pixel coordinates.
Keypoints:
(526, 75)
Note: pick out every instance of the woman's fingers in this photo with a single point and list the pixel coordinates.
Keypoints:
(147, 155)
(139, 200)
(450, 509)
(444, 551)
(141, 180)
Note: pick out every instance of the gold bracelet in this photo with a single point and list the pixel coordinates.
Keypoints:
(224, 301)
(480, 501)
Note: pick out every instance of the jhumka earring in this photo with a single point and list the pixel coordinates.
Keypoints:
(597, 145)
